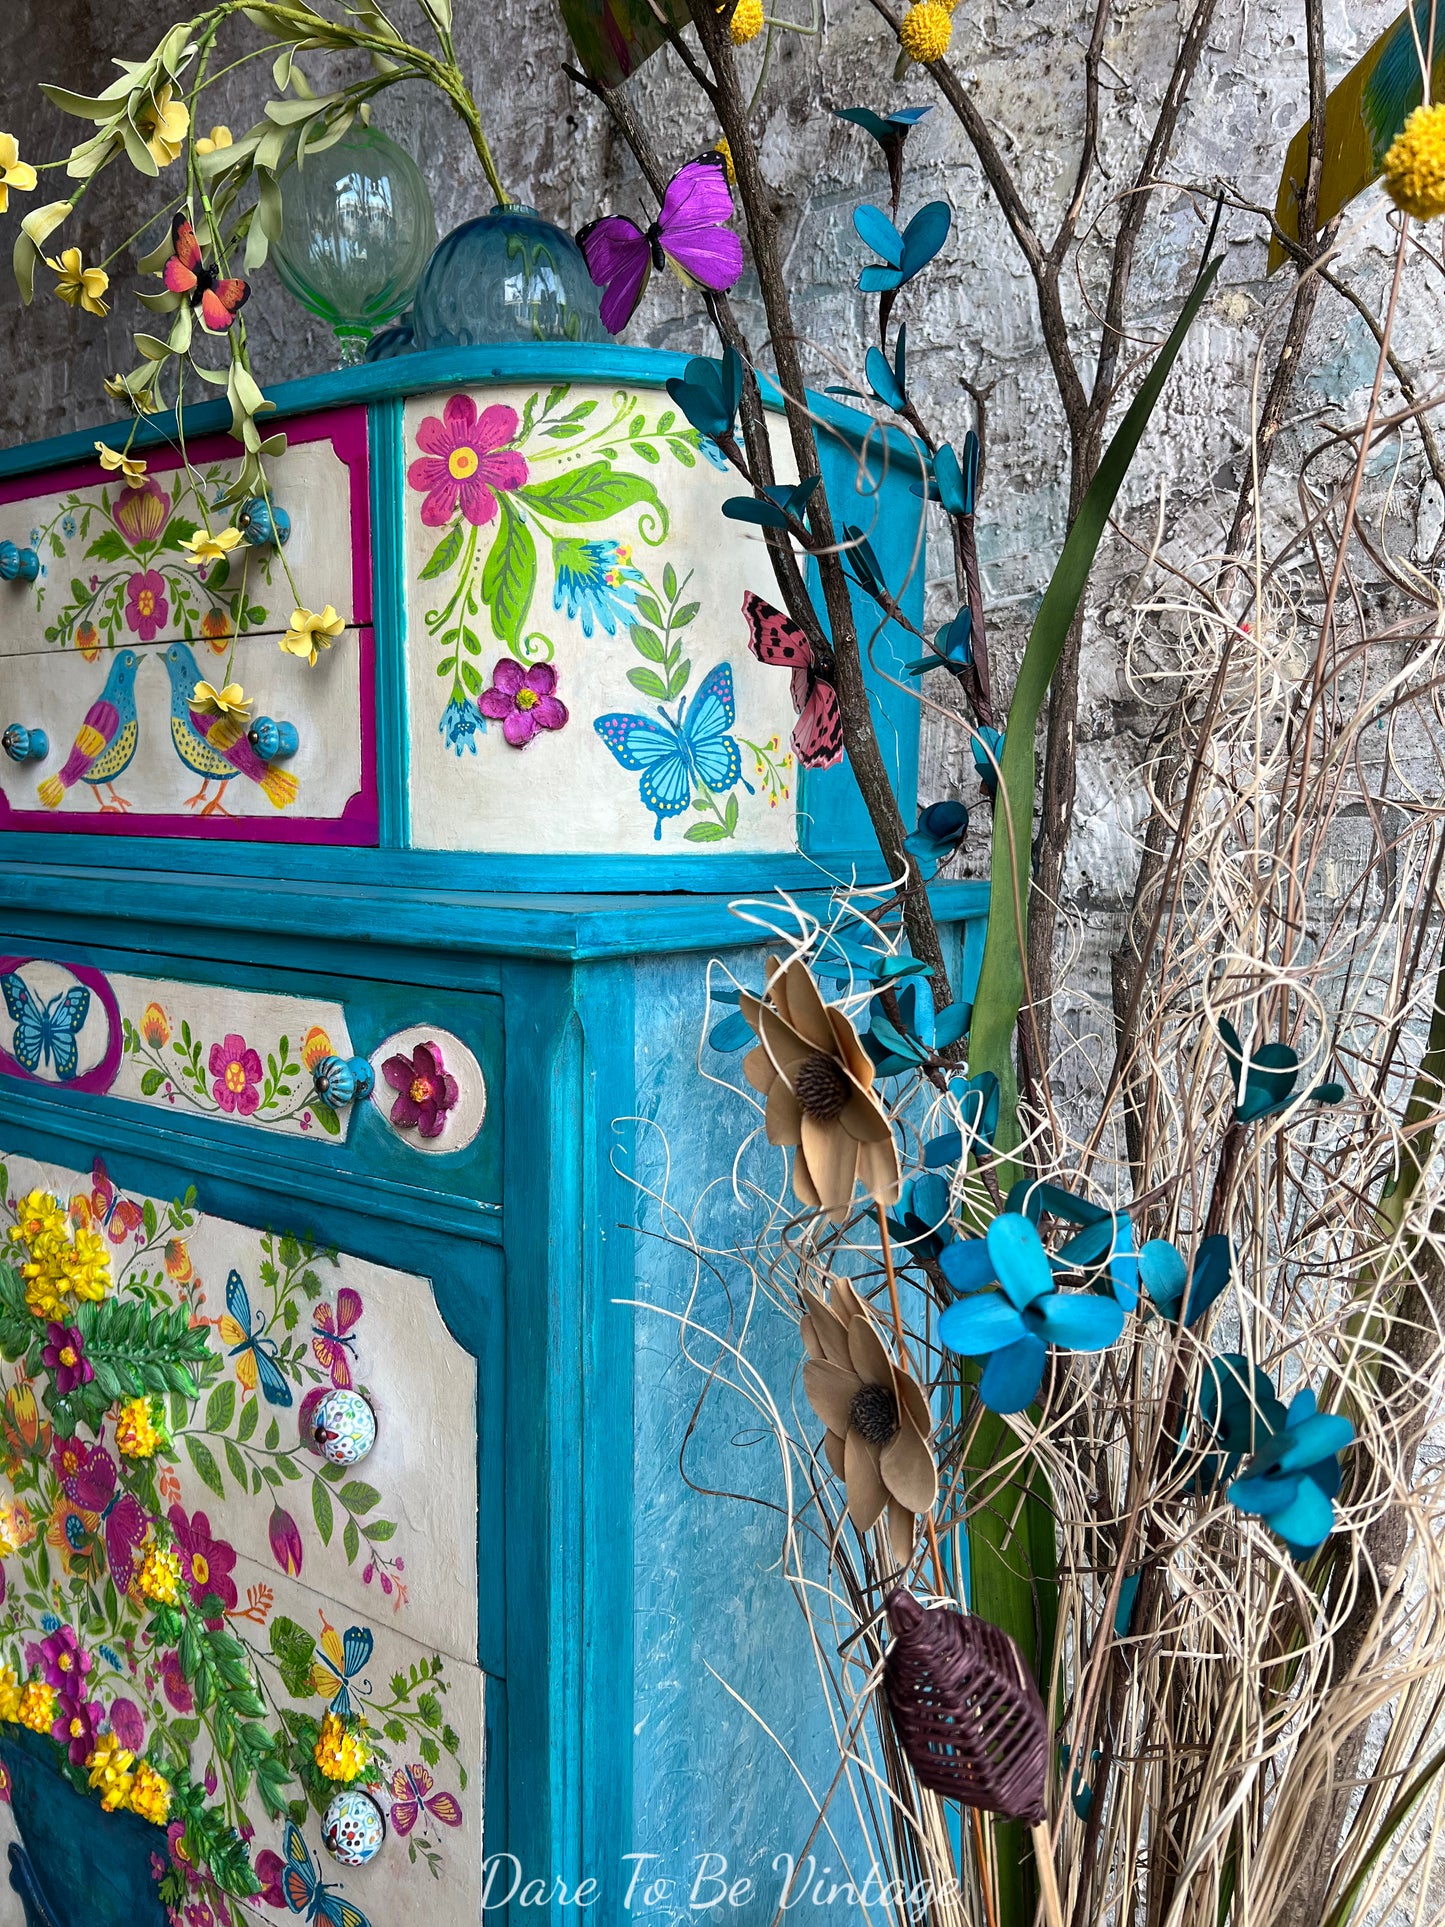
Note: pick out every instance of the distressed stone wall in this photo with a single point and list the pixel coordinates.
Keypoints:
(972, 317)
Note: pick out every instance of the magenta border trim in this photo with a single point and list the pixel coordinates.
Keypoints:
(359, 822)
(103, 1076)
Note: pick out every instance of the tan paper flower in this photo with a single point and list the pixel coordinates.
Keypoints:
(877, 1418)
(818, 1082)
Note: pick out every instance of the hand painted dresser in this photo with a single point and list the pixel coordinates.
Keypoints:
(343, 1046)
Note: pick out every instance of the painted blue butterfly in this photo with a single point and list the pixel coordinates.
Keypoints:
(338, 1661)
(675, 754)
(255, 1354)
(307, 1893)
(46, 1030)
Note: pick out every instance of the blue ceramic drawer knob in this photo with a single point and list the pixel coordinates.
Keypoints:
(273, 742)
(24, 745)
(261, 522)
(345, 1427)
(353, 1827)
(343, 1080)
(18, 565)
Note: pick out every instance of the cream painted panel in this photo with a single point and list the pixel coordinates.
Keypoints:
(113, 572)
(55, 693)
(587, 497)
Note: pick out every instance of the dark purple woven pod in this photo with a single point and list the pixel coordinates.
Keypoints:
(966, 1709)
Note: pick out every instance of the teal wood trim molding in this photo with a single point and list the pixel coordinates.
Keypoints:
(569, 1431)
(388, 604)
(419, 374)
(331, 917)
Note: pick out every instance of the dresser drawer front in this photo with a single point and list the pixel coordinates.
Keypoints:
(129, 754)
(114, 574)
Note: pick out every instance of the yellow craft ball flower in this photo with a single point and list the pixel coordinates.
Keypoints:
(720, 146)
(13, 171)
(310, 632)
(110, 1768)
(150, 1795)
(1415, 165)
(88, 1269)
(218, 138)
(203, 547)
(746, 23)
(339, 1754)
(42, 1300)
(926, 31)
(136, 1433)
(79, 286)
(160, 1575)
(9, 1695)
(37, 1707)
(38, 1215)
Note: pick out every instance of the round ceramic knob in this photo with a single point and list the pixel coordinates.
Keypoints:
(17, 564)
(353, 1827)
(273, 742)
(24, 745)
(342, 1080)
(261, 522)
(345, 1427)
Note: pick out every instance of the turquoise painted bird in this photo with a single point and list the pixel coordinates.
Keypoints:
(105, 741)
(215, 747)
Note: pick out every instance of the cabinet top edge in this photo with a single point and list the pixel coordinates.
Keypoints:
(423, 373)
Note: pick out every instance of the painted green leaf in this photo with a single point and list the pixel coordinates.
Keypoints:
(326, 1117)
(357, 1496)
(295, 1650)
(221, 1406)
(151, 1082)
(236, 1463)
(444, 556)
(594, 493)
(108, 547)
(510, 576)
(649, 682)
(204, 1460)
(710, 832)
(351, 1542)
(647, 644)
(321, 1510)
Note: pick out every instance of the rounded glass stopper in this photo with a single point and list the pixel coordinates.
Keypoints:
(507, 276)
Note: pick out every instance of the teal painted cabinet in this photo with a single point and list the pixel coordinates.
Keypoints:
(345, 1065)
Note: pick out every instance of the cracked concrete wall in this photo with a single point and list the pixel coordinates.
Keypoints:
(971, 317)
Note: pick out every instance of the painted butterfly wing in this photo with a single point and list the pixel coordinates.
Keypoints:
(273, 1379)
(221, 303)
(356, 1648)
(29, 1038)
(125, 1527)
(619, 259)
(773, 637)
(92, 1485)
(335, 1910)
(447, 1809)
(238, 1301)
(695, 205)
(124, 1218)
(712, 751)
(404, 1815)
(348, 1309)
(298, 1888)
(659, 751)
(60, 1021)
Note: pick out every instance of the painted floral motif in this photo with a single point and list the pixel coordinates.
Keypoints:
(127, 549)
(424, 1091)
(230, 1079)
(522, 701)
(467, 462)
(124, 1637)
(597, 582)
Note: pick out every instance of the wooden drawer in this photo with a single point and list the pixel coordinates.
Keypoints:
(112, 570)
(352, 1588)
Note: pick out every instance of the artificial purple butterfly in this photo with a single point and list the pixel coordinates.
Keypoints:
(689, 232)
(88, 1480)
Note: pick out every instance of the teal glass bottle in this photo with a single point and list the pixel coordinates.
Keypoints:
(357, 228)
(506, 276)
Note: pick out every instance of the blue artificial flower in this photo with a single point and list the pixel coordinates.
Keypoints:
(977, 1100)
(1238, 1411)
(987, 754)
(710, 452)
(597, 582)
(1264, 1077)
(1292, 1480)
(1014, 1323)
(920, 1221)
(920, 1032)
(459, 724)
(941, 829)
(1165, 1273)
(951, 649)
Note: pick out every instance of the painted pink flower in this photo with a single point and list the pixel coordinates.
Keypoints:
(146, 607)
(173, 1680)
(127, 1722)
(521, 700)
(465, 459)
(237, 1071)
(424, 1091)
(65, 1665)
(269, 1869)
(141, 513)
(285, 1537)
(206, 1562)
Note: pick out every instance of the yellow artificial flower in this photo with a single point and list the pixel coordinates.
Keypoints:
(13, 171)
(720, 146)
(134, 390)
(219, 137)
(160, 1575)
(79, 286)
(926, 31)
(339, 1754)
(88, 1270)
(163, 124)
(39, 1215)
(310, 632)
(1415, 164)
(9, 1695)
(230, 701)
(132, 467)
(110, 1768)
(37, 1707)
(150, 1795)
(136, 1433)
(746, 23)
(205, 547)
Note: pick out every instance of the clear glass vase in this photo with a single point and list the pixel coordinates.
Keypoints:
(357, 228)
(506, 276)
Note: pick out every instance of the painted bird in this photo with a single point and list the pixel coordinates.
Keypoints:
(215, 747)
(105, 741)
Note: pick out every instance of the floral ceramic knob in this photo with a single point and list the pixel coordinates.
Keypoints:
(345, 1427)
(353, 1827)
